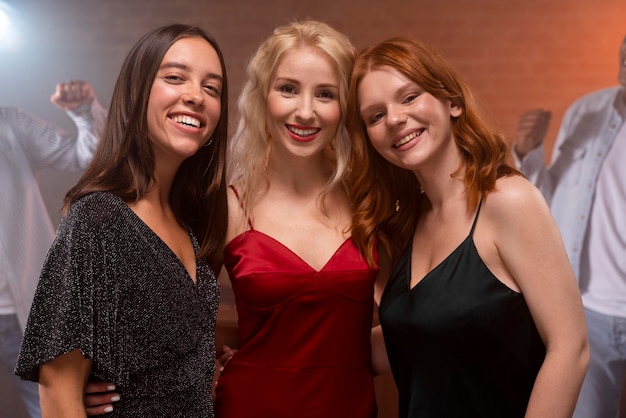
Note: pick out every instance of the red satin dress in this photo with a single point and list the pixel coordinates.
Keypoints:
(304, 335)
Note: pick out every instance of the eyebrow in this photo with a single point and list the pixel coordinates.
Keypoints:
(294, 81)
(400, 92)
(185, 67)
(368, 109)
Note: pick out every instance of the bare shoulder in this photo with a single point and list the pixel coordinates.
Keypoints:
(519, 225)
(515, 199)
(237, 218)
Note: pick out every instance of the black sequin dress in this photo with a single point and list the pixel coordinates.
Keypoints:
(112, 288)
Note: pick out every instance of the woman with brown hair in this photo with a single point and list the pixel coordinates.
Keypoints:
(128, 293)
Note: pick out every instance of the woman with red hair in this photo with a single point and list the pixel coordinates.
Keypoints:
(481, 316)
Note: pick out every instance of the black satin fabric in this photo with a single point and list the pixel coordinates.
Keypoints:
(460, 342)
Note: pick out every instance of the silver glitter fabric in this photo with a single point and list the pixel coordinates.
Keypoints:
(113, 289)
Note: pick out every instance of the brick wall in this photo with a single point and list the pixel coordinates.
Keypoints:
(516, 54)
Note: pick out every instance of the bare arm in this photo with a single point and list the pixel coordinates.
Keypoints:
(531, 249)
(72, 95)
(61, 385)
(380, 361)
(531, 130)
(528, 148)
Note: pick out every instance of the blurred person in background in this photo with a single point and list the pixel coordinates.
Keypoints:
(27, 145)
(585, 185)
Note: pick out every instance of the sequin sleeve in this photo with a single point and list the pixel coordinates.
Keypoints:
(113, 289)
(73, 282)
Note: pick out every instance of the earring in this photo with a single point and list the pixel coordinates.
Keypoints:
(208, 143)
(397, 205)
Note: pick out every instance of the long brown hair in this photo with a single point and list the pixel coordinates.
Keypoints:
(124, 164)
(386, 198)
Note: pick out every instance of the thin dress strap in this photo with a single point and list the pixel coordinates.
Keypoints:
(241, 204)
(475, 217)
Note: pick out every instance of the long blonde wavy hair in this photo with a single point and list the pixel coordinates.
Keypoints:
(250, 146)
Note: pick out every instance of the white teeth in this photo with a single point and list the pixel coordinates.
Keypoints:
(407, 138)
(187, 120)
(303, 132)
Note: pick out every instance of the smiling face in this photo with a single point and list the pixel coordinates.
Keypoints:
(303, 103)
(185, 99)
(405, 124)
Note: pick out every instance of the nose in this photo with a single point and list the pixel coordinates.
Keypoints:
(193, 95)
(305, 108)
(395, 116)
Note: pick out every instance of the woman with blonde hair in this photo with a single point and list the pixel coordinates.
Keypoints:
(303, 291)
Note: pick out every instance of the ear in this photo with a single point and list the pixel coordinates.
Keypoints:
(455, 109)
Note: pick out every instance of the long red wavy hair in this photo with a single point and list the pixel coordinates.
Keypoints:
(386, 198)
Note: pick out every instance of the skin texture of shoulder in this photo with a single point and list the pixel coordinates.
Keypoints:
(237, 218)
(520, 243)
(511, 218)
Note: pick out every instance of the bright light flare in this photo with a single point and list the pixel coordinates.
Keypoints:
(9, 36)
(5, 23)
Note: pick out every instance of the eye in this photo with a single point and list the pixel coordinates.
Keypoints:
(213, 89)
(287, 89)
(411, 98)
(375, 117)
(173, 78)
(327, 95)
